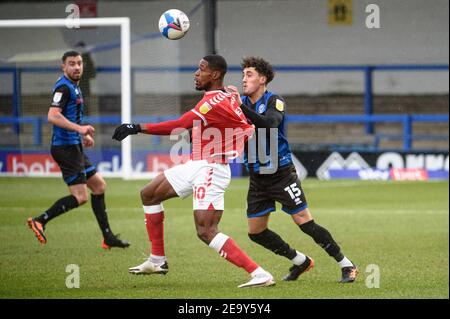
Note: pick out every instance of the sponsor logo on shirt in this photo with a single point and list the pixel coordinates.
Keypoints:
(205, 108)
(279, 105)
(261, 108)
(57, 97)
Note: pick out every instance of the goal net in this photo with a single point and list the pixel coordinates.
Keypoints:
(116, 89)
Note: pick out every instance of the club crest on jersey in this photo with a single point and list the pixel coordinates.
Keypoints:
(57, 97)
(279, 105)
(261, 108)
(205, 108)
(76, 91)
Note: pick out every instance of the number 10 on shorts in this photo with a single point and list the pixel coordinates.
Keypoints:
(199, 192)
(294, 192)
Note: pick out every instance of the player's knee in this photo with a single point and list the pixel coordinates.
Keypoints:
(96, 184)
(202, 235)
(147, 197)
(81, 198)
(302, 217)
(101, 188)
(206, 234)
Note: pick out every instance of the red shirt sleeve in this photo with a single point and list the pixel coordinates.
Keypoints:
(166, 128)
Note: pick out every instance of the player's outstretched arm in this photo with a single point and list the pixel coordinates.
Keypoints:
(163, 128)
(124, 130)
(271, 119)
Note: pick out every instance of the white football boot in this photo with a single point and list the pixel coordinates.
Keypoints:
(262, 279)
(148, 268)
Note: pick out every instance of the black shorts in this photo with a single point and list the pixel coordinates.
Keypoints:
(284, 187)
(75, 166)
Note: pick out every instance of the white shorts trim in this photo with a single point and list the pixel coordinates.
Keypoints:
(207, 181)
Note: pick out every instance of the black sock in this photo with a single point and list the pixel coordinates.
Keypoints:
(61, 206)
(99, 208)
(272, 241)
(323, 238)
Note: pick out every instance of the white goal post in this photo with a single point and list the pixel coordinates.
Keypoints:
(124, 24)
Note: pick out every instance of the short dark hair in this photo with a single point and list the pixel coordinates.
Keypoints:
(68, 54)
(217, 63)
(261, 66)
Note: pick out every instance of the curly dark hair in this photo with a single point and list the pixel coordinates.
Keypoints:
(261, 66)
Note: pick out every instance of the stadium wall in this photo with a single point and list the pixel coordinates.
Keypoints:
(284, 32)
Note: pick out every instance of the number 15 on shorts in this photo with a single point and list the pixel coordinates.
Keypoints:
(294, 192)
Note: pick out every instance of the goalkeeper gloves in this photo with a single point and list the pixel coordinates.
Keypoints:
(124, 130)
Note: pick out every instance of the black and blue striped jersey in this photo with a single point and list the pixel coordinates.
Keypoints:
(268, 112)
(68, 97)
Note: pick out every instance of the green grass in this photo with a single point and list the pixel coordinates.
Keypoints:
(400, 226)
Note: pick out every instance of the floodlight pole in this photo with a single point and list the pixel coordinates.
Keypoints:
(210, 25)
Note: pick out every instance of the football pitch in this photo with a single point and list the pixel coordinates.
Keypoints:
(397, 228)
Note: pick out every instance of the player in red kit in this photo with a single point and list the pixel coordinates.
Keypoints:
(219, 132)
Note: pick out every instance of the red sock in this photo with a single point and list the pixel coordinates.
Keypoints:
(155, 230)
(228, 249)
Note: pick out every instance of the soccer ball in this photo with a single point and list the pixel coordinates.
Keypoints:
(173, 24)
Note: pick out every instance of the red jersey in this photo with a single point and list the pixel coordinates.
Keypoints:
(219, 128)
(223, 129)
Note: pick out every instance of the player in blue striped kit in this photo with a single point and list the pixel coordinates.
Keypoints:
(69, 138)
(275, 179)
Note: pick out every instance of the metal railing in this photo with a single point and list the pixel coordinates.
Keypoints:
(368, 118)
(406, 120)
(368, 71)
